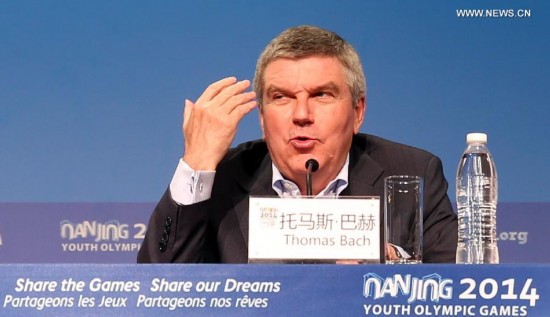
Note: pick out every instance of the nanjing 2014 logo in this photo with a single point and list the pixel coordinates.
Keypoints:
(430, 287)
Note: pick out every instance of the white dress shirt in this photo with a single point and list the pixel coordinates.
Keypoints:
(189, 187)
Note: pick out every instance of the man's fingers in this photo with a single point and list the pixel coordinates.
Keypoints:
(231, 91)
(214, 89)
(220, 92)
(225, 96)
(241, 110)
(237, 101)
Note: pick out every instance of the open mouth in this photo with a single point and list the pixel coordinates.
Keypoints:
(302, 142)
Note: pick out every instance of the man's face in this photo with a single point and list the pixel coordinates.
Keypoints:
(308, 112)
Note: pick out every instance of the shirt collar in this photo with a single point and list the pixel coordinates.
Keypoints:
(286, 188)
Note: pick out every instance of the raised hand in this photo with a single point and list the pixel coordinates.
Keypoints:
(210, 124)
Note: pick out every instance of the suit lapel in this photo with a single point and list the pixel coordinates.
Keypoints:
(364, 172)
(366, 177)
(257, 184)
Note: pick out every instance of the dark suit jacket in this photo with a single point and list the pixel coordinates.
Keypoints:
(216, 230)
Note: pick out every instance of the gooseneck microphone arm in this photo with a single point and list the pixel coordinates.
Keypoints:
(311, 165)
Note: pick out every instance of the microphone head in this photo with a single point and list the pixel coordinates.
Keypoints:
(314, 164)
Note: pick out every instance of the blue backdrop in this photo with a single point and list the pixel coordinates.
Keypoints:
(91, 92)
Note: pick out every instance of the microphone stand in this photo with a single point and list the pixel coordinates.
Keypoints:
(311, 165)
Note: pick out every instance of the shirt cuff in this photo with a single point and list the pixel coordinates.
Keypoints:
(189, 186)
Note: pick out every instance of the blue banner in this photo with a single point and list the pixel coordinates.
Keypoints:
(72, 232)
(113, 232)
(274, 290)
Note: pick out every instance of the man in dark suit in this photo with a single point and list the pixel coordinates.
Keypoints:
(310, 89)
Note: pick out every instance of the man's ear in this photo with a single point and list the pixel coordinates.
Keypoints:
(360, 109)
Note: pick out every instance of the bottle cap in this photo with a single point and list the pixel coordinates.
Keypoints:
(476, 138)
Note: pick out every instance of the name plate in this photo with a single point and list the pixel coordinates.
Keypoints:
(306, 229)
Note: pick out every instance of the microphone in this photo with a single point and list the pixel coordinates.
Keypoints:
(311, 165)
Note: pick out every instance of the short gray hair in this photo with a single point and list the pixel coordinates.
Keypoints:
(305, 41)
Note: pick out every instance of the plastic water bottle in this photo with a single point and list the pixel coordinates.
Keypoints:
(477, 195)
